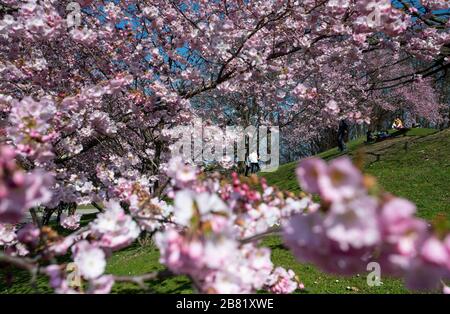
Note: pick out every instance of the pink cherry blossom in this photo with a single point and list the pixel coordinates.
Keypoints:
(113, 228)
(7, 234)
(353, 224)
(341, 181)
(71, 222)
(187, 202)
(20, 190)
(29, 234)
(89, 259)
(308, 173)
(282, 281)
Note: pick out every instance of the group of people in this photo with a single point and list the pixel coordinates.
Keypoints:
(376, 136)
(397, 125)
(252, 161)
(343, 130)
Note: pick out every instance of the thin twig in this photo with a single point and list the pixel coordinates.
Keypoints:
(272, 231)
(141, 279)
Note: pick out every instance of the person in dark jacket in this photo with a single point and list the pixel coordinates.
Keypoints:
(342, 132)
(370, 137)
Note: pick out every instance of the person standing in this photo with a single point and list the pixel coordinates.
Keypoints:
(254, 162)
(342, 132)
(247, 165)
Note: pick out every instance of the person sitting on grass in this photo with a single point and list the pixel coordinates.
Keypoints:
(370, 137)
(398, 124)
(382, 135)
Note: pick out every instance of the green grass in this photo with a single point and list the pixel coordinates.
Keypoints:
(319, 282)
(143, 259)
(415, 166)
(134, 260)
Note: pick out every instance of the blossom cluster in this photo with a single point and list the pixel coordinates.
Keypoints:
(283, 281)
(356, 224)
(111, 230)
(151, 213)
(19, 241)
(114, 229)
(34, 21)
(20, 190)
(380, 15)
(31, 127)
(71, 222)
(213, 230)
(211, 220)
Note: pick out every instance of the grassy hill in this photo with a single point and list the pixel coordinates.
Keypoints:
(415, 166)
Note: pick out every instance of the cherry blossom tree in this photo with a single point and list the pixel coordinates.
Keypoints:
(88, 98)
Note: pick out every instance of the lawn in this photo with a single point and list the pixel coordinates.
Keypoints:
(415, 166)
